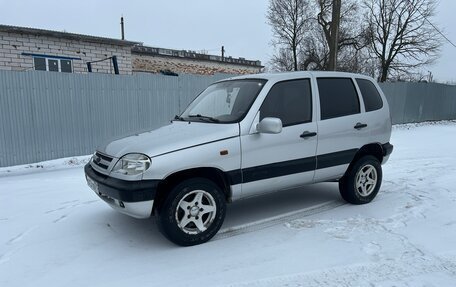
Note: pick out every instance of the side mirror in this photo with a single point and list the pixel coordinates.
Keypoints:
(270, 126)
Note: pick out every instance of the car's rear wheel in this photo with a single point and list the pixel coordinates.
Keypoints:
(193, 212)
(362, 181)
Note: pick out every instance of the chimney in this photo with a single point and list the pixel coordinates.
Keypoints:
(122, 28)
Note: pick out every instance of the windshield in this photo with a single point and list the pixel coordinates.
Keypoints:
(224, 102)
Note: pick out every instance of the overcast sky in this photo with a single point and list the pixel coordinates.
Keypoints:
(239, 25)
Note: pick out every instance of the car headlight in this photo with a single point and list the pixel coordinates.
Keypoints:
(132, 164)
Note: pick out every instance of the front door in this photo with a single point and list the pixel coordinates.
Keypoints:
(278, 161)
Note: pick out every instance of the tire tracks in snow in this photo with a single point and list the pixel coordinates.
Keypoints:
(275, 220)
(362, 274)
(20, 236)
(62, 212)
(411, 262)
(13, 241)
(70, 205)
(66, 209)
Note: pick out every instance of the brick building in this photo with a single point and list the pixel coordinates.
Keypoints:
(154, 60)
(23, 49)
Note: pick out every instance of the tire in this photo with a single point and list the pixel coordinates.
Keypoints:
(362, 181)
(193, 212)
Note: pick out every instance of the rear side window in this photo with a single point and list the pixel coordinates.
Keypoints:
(338, 97)
(372, 99)
(290, 101)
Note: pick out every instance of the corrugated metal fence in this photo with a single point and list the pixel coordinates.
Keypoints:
(419, 102)
(52, 115)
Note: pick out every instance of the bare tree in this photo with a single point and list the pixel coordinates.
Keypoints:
(401, 36)
(311, 50)
(351, 38)
(282, 60)
(288, 19)
(315, 51)
(333, 44)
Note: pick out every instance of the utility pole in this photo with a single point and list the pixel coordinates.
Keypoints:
(122, 31)
(333, 46)
(223, 53)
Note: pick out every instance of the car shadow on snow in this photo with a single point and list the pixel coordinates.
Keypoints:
(279, 203)
(144, 233)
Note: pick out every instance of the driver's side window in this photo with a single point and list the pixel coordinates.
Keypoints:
(290, 101)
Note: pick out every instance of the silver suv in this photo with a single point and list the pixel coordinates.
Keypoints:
(246, 136)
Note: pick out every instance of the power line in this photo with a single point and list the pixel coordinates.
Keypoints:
(433, 26)
(449, 41)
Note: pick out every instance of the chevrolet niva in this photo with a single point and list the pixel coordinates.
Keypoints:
(246, 136)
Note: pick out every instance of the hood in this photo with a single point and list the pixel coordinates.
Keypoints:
(172, 137)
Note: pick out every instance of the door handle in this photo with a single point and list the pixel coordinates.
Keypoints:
(308, 134)
(360, 126)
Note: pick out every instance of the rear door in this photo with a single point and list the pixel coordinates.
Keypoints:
(376, 114)
(277, 161)
(341, 127)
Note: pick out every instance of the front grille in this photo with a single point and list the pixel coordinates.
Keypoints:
(101, 160)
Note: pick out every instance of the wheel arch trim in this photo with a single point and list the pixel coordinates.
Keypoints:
(219, 177)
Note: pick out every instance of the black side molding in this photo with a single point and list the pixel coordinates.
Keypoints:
(282, 168)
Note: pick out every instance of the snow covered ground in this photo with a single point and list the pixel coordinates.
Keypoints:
(55, 232)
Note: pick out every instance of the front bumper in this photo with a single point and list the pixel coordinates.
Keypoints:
(134, 198)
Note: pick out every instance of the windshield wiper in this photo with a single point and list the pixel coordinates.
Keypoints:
(179, 118)
(207, 118)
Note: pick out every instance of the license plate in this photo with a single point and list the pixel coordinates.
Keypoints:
(92, 184)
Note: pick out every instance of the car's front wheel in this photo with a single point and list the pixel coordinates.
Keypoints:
(362, 181)
(193, 212)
